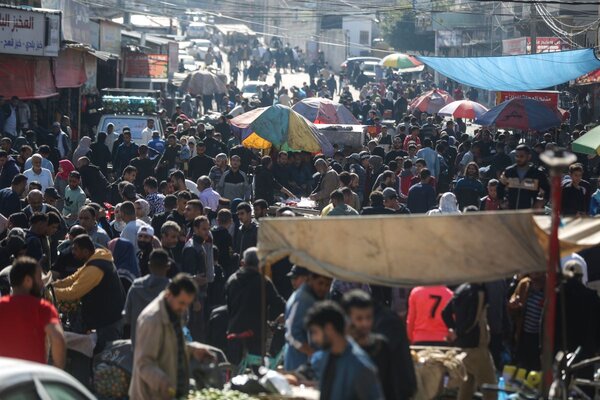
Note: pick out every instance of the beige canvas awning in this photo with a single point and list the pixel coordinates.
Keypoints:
(421, 250)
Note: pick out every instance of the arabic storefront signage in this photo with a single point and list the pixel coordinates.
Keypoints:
(146, 66)
(550, 98)
(522, 45)
(24, 32)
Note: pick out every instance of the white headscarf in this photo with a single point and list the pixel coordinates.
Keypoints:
(448, 205)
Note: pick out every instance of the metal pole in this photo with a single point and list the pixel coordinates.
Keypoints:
(557, 161)
(533, 25)
(553, 259)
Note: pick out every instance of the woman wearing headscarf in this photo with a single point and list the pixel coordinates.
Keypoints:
(126, 261)
(142, 210)
(83, 149)
(65, 167)
(100, 155)
(118, 224)
(448, 205)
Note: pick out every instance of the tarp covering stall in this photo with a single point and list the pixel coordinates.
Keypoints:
(27, 78)
(69, 69)
(522, 72)
(421, 250)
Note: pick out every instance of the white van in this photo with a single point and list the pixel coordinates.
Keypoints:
(196, 30)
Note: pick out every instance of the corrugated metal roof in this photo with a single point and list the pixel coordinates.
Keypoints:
(149, 38)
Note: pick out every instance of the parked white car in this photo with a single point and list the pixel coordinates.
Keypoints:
(28, 380)
(251, 88)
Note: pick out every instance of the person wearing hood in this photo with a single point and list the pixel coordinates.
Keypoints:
(448, 205)
(98, 286)
(126, 261)
(244, 305)
(142, 210)
(100, 153)
(145, 289)
(83, 150)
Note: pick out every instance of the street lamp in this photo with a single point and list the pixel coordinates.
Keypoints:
(557, 160)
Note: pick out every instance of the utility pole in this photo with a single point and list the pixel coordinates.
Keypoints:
(533, 26)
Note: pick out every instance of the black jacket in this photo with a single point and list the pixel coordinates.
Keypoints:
(94, 181)
(103, 305)
(376, 210)
(461, 312)
(265, 184)
(523, 193)
(390, 325)
(100, 156)
(200, 165)
(145, 169)
(245, 238)
(224, 242)
(243, 291)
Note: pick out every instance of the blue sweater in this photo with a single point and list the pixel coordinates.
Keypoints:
(355, 374)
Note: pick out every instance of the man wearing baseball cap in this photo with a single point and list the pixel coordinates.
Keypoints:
(298, 276)
(390, 200)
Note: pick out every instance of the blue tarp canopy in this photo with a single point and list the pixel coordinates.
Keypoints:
(518, 73)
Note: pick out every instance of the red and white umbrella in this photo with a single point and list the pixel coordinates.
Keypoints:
(463, 109)
(431, 102)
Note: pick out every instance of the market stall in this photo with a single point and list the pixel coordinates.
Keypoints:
(344, 136)
(281, 127)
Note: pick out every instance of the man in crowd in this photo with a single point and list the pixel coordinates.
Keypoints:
(95, 282)
(161, 354)
(38, 174)
(87, 219)
(360, 311)
(10, 197)
(34, 322)
(145, 289)
(74, 198)
(344, 370)
(200, 164)
(465, 316)
(299, 349)
(247, 234)
(245, 308)
(234, 182)
(132, 224)
(524, 182)
(328, 182)
(421, 197)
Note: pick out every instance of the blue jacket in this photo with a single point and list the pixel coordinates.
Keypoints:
(8, 172)
(421, 198)
(431, 159)
(355, 374)
(295, 333)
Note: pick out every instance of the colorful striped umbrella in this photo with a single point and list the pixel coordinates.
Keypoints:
(524, 114)
(402, 62)
(324, 111)
(431, 102)
(463, 109)
(281, 127)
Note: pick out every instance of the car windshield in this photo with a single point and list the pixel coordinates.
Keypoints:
(250, 88)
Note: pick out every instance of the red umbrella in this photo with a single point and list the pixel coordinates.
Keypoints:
(463, 109)
(431, 102)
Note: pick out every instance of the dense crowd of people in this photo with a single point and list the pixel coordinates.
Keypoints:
(156, 241)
